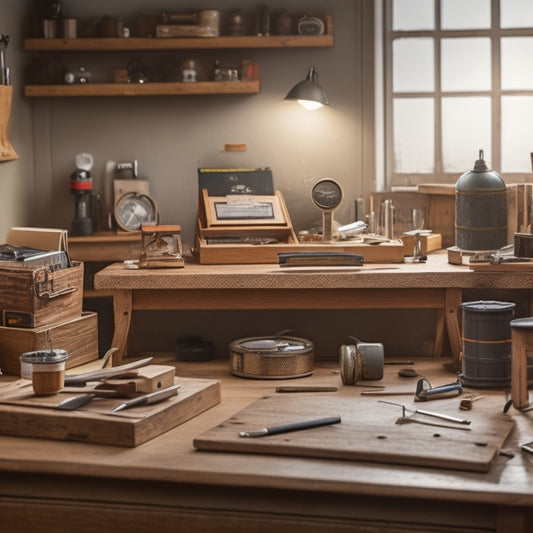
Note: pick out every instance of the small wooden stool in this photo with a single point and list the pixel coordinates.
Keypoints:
(522, 342)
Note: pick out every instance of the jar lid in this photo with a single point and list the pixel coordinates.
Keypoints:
(488, 305)
(44, 356)
(274, 344)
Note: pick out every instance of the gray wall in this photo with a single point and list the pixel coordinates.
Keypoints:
(16, 177)
(172, 136)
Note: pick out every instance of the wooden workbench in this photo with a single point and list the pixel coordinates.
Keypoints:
(165, 485)
(432, 285)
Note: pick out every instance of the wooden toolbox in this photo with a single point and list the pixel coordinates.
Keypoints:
(242, 242)
(43, 291)
(78, 336)
(30, 298)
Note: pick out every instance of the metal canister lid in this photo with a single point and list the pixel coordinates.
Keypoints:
(488, 306)
(41, 357)
(274, 344)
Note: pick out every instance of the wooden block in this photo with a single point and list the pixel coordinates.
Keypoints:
(428, 243)
(149, 378)
(79, 337)
(24, 414)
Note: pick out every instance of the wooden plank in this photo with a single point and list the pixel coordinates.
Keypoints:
(367, 432)
(525, 266)
(24, 414)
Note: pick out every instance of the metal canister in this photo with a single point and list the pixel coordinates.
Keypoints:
(480, 209)
(486, 341)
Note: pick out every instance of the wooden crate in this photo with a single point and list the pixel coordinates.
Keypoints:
(79, 337)
(30, 298)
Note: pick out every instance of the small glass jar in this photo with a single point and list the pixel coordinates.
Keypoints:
(46, 369)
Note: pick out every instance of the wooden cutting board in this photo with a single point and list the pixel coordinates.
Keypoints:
(368, 431)
(25, 415)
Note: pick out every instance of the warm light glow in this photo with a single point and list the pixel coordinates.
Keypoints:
(310, 105)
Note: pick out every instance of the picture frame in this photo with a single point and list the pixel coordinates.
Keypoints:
(239, 210)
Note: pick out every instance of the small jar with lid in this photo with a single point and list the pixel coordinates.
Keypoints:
(46, 369)
(188, 70)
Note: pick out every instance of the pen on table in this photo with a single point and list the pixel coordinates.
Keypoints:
(306, 388)
(293, 426)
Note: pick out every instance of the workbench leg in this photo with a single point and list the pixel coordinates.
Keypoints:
(454, 299)
(122, 308)
(519, 347)
(439, 333)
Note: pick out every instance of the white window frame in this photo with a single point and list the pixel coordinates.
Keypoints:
(387, 177)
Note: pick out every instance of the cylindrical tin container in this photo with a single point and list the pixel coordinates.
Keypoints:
(361, 361)
(487, 343)
(480, 209)
(278, 357)
(46, 369)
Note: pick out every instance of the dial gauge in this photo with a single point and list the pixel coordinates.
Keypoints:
(132, 210)
(327, 194)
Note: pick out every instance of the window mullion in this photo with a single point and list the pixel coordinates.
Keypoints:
(439, 166)
(496, 98)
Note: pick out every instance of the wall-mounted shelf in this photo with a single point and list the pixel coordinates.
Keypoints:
(109, 44)
(117, 44)
(130, 44)
(143, 89)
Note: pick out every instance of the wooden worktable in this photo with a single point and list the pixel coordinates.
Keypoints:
(167, 485)
(432, 285)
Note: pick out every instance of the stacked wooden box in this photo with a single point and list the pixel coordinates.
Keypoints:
(41, 309)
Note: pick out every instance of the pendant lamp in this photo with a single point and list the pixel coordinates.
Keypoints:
(308, 92)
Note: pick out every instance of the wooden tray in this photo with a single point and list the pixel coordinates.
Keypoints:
(25, 415)
(367, 432)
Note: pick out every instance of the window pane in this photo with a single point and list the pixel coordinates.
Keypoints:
(413, 68)
(516, 54)
(413, 135)
(413, 15)
(465, 14)
(466, 64)
(516, 13)
(465, 130)
(517, 133)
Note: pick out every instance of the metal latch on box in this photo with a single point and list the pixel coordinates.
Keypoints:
(43, 285)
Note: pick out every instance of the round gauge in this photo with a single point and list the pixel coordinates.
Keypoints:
(132, 210)
(327, 194)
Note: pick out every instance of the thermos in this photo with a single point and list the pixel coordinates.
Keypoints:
(480, 209)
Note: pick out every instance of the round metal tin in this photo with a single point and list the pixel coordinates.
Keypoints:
(271, 357)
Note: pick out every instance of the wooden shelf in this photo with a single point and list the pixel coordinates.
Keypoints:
(118, 44)
(144, 89)
(108, 44)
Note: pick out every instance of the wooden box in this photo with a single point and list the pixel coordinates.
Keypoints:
(238, 242)
(30, 298)
(79, 337)
(428, 243)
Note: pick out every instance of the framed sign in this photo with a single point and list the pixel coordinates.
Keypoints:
(243, 210)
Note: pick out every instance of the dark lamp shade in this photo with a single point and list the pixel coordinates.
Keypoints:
(308, 92)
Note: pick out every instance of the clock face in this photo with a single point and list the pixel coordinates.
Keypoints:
(132, 210)
(327, 194)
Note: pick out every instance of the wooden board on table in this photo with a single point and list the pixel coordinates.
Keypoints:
(519, 266)
(26, 415)
(367, 432)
